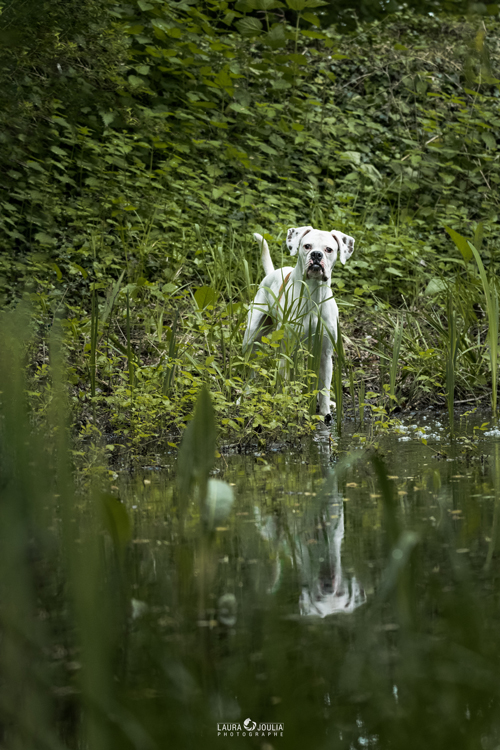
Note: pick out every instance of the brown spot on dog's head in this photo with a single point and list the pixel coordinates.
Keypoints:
(294, 237)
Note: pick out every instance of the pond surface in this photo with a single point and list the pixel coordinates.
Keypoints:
(348, 597)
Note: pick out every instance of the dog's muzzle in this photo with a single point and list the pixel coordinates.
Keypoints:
(316, 264)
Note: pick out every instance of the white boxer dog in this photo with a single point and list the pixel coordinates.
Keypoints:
(302, 296)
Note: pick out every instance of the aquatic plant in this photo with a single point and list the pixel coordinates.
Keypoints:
(468, 250)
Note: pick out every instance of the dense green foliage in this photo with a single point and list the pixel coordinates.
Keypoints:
(141, 144)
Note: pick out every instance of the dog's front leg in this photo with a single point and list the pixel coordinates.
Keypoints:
(330, 321)
(325, 379)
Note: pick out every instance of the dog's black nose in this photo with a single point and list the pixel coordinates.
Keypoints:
(316, 256)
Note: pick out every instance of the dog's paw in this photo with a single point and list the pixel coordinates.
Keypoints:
(328, 418)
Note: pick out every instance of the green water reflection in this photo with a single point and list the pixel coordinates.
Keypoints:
(352, 601)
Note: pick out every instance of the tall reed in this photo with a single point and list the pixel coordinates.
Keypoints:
(396, 346)
(337, 379)
(361, 397)
(314, 346)
(94, 328)
(492, 309)
(168, 379)
(451, 358)
(469, 250)
(130, 359)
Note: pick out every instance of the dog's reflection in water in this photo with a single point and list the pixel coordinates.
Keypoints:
(313, 544)
(326, 588)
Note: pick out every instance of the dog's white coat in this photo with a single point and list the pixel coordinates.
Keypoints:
(304, 298)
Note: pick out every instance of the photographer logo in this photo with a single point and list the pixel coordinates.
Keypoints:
(250, 728)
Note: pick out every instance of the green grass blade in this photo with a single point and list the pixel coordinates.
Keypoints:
(451, 354)
(361, 398)
(339, 365)
(396, 346)
(94, 327)
(168, 380)
(130, 360)
(491, 296)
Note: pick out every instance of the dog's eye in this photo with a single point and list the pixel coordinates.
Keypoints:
(307, 247)
(328, 249)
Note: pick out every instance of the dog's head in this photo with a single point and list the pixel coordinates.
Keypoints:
(318, 250)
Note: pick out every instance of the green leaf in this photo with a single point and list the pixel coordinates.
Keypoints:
(239, 108)
(297, 58)
(223, 79)
(233, 308)
(107, 117)
(249, 26)
(489, 140)
(135, 81)
(435, 286)
(205, 296)
(197, 451)
(478, 237)
(276, 37)
(268, 149)
(311, 18)
(133, 30)
(461, 243)
(314, 34)
(245, 6)
(297, 5)
(35, 165)
(57, 270)
(267, 4)
(44, 238)
(116, 521)
(448, 179)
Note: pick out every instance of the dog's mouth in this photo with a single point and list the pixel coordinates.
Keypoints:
(316, 269)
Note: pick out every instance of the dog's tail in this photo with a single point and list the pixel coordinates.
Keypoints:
(266, 255)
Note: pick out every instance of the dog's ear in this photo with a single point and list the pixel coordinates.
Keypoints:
(294, 236)
(346, 245)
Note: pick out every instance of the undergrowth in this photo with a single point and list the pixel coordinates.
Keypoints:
(127, 216)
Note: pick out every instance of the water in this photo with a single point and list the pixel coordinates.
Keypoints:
(347, 598)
